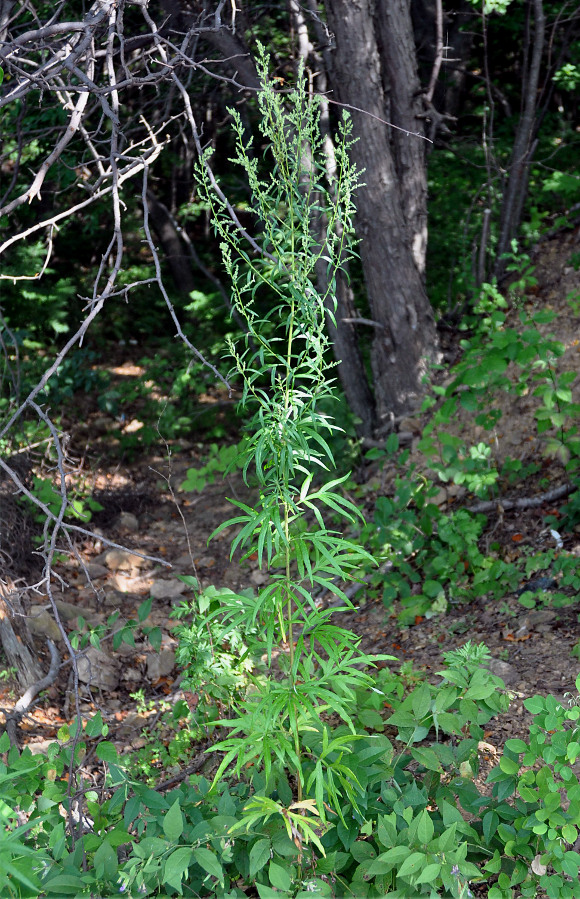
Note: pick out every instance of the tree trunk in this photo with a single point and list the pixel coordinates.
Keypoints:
(399, 59)
(524, 145)
(171, 242)
(339, 322)
(351, 370)
(458, 36)
(405, 338)
(15, 638)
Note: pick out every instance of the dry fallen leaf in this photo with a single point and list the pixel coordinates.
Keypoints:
(537, 867)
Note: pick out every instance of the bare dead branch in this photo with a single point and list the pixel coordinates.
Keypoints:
(524, 502)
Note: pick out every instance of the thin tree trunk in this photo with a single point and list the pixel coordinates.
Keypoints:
(458, 39)
(524, 145)
(405, 338)
(173, 249)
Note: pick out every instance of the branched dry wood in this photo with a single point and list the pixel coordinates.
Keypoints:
(72, 87)
(523, 502)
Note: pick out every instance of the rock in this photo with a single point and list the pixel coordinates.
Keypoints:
(160, 664)
(132, 675)
(183, 561)
(43, 624)
(456, 490)
(98, 669)
(507, 672)
(68, 611)
(127, 522)
(411, 424)
(167, 589)
(126, 650)
(126, 583)
(538, 583)
(132, 726)
(121, 559)
(258, 577)
(539, 616)
(40, 747)
(114, 599)
(95, 570)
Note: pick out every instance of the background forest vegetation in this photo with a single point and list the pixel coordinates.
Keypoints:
(227, 228)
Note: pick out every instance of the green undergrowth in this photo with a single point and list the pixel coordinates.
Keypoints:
(437, 557)
(418, 823)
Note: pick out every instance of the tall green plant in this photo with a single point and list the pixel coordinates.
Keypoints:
(285, 374)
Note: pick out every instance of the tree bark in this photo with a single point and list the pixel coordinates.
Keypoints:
(173, 249)
(405, 338)
(341, 330)
(524, 145)
(406, 112)
(458, 38)
(15, 638)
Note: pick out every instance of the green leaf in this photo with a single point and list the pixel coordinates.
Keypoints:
(425, 828)
(392, 443)
(207, 860)
(370, 719)
(107, 752)
(144, 609)
(448, 838)
(279, 877)
(175, 867)
(266, 892)
(64, 885)
(412, 864)
(173, 822)
(535, 704)
(427, 757)
(429, 874)
(386, 861)
(570, 833)
(421, 701)
(573, 751)
(432, 588)
(516, 745)
(509, 766)
(154, 635)
(451, 814)
(361, 850)
(490, 823)
(259, 855)
(95, 726)
(105, 861)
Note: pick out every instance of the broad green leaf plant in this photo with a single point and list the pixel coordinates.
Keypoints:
(315, 665)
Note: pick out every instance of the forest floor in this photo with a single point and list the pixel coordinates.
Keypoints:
(146, 512)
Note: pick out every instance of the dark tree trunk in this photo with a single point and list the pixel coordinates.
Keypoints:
(399, 59)
(173, 249)
(458, 38)
(345, 344)
(405, 337)
(340, 326)
(524, 144)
